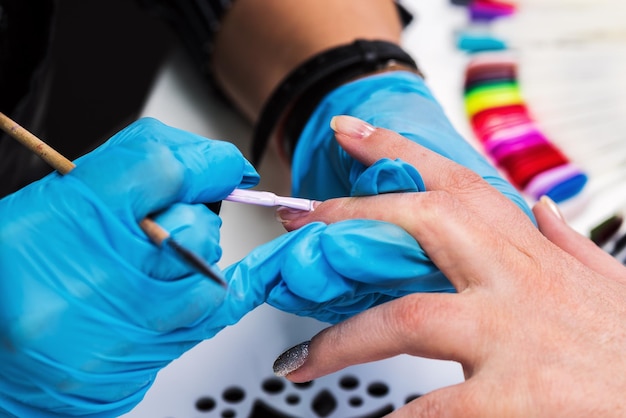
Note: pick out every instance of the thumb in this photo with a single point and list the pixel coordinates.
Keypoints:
(552, 226)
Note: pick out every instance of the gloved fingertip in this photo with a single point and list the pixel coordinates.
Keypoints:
(250, 176)
(385, 176)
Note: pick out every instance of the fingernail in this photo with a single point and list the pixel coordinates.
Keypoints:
(285, 214)
(351, 127)
(291, 360)
(552, 206)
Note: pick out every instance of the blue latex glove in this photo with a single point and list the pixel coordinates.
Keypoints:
(331, 272)
(90, 309)
(399, 101)
(334, 272)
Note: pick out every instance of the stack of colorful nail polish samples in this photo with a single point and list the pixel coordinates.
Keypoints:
(545, 93)
(502, 121)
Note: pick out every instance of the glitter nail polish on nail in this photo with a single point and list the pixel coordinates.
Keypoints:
(291, 359)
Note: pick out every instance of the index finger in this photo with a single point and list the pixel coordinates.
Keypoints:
(441, 326)
(369, 144)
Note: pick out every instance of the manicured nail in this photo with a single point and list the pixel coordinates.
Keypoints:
(292, 359)
(552, 206)
(351, 127)
(285, 214)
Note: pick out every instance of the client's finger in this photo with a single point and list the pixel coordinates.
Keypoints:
(467, 248)
(586, 251)
(428, 325)
(369, 144)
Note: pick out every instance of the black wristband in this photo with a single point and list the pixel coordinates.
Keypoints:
(297, 96)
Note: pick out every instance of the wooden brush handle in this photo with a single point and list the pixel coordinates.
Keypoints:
(64, 166)
(154, 231)
(36, 145)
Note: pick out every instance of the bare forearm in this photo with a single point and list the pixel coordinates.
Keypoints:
(262, 40)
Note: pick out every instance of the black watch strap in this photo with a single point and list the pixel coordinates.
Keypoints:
(297, 96)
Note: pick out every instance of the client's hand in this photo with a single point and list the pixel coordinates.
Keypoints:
(90, 308)
(539, 320)
(331, 272)
(399, 101)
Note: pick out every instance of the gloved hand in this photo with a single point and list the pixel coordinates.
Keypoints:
(399, 101)
(331, 272)
(90, 308)
(334, 272)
